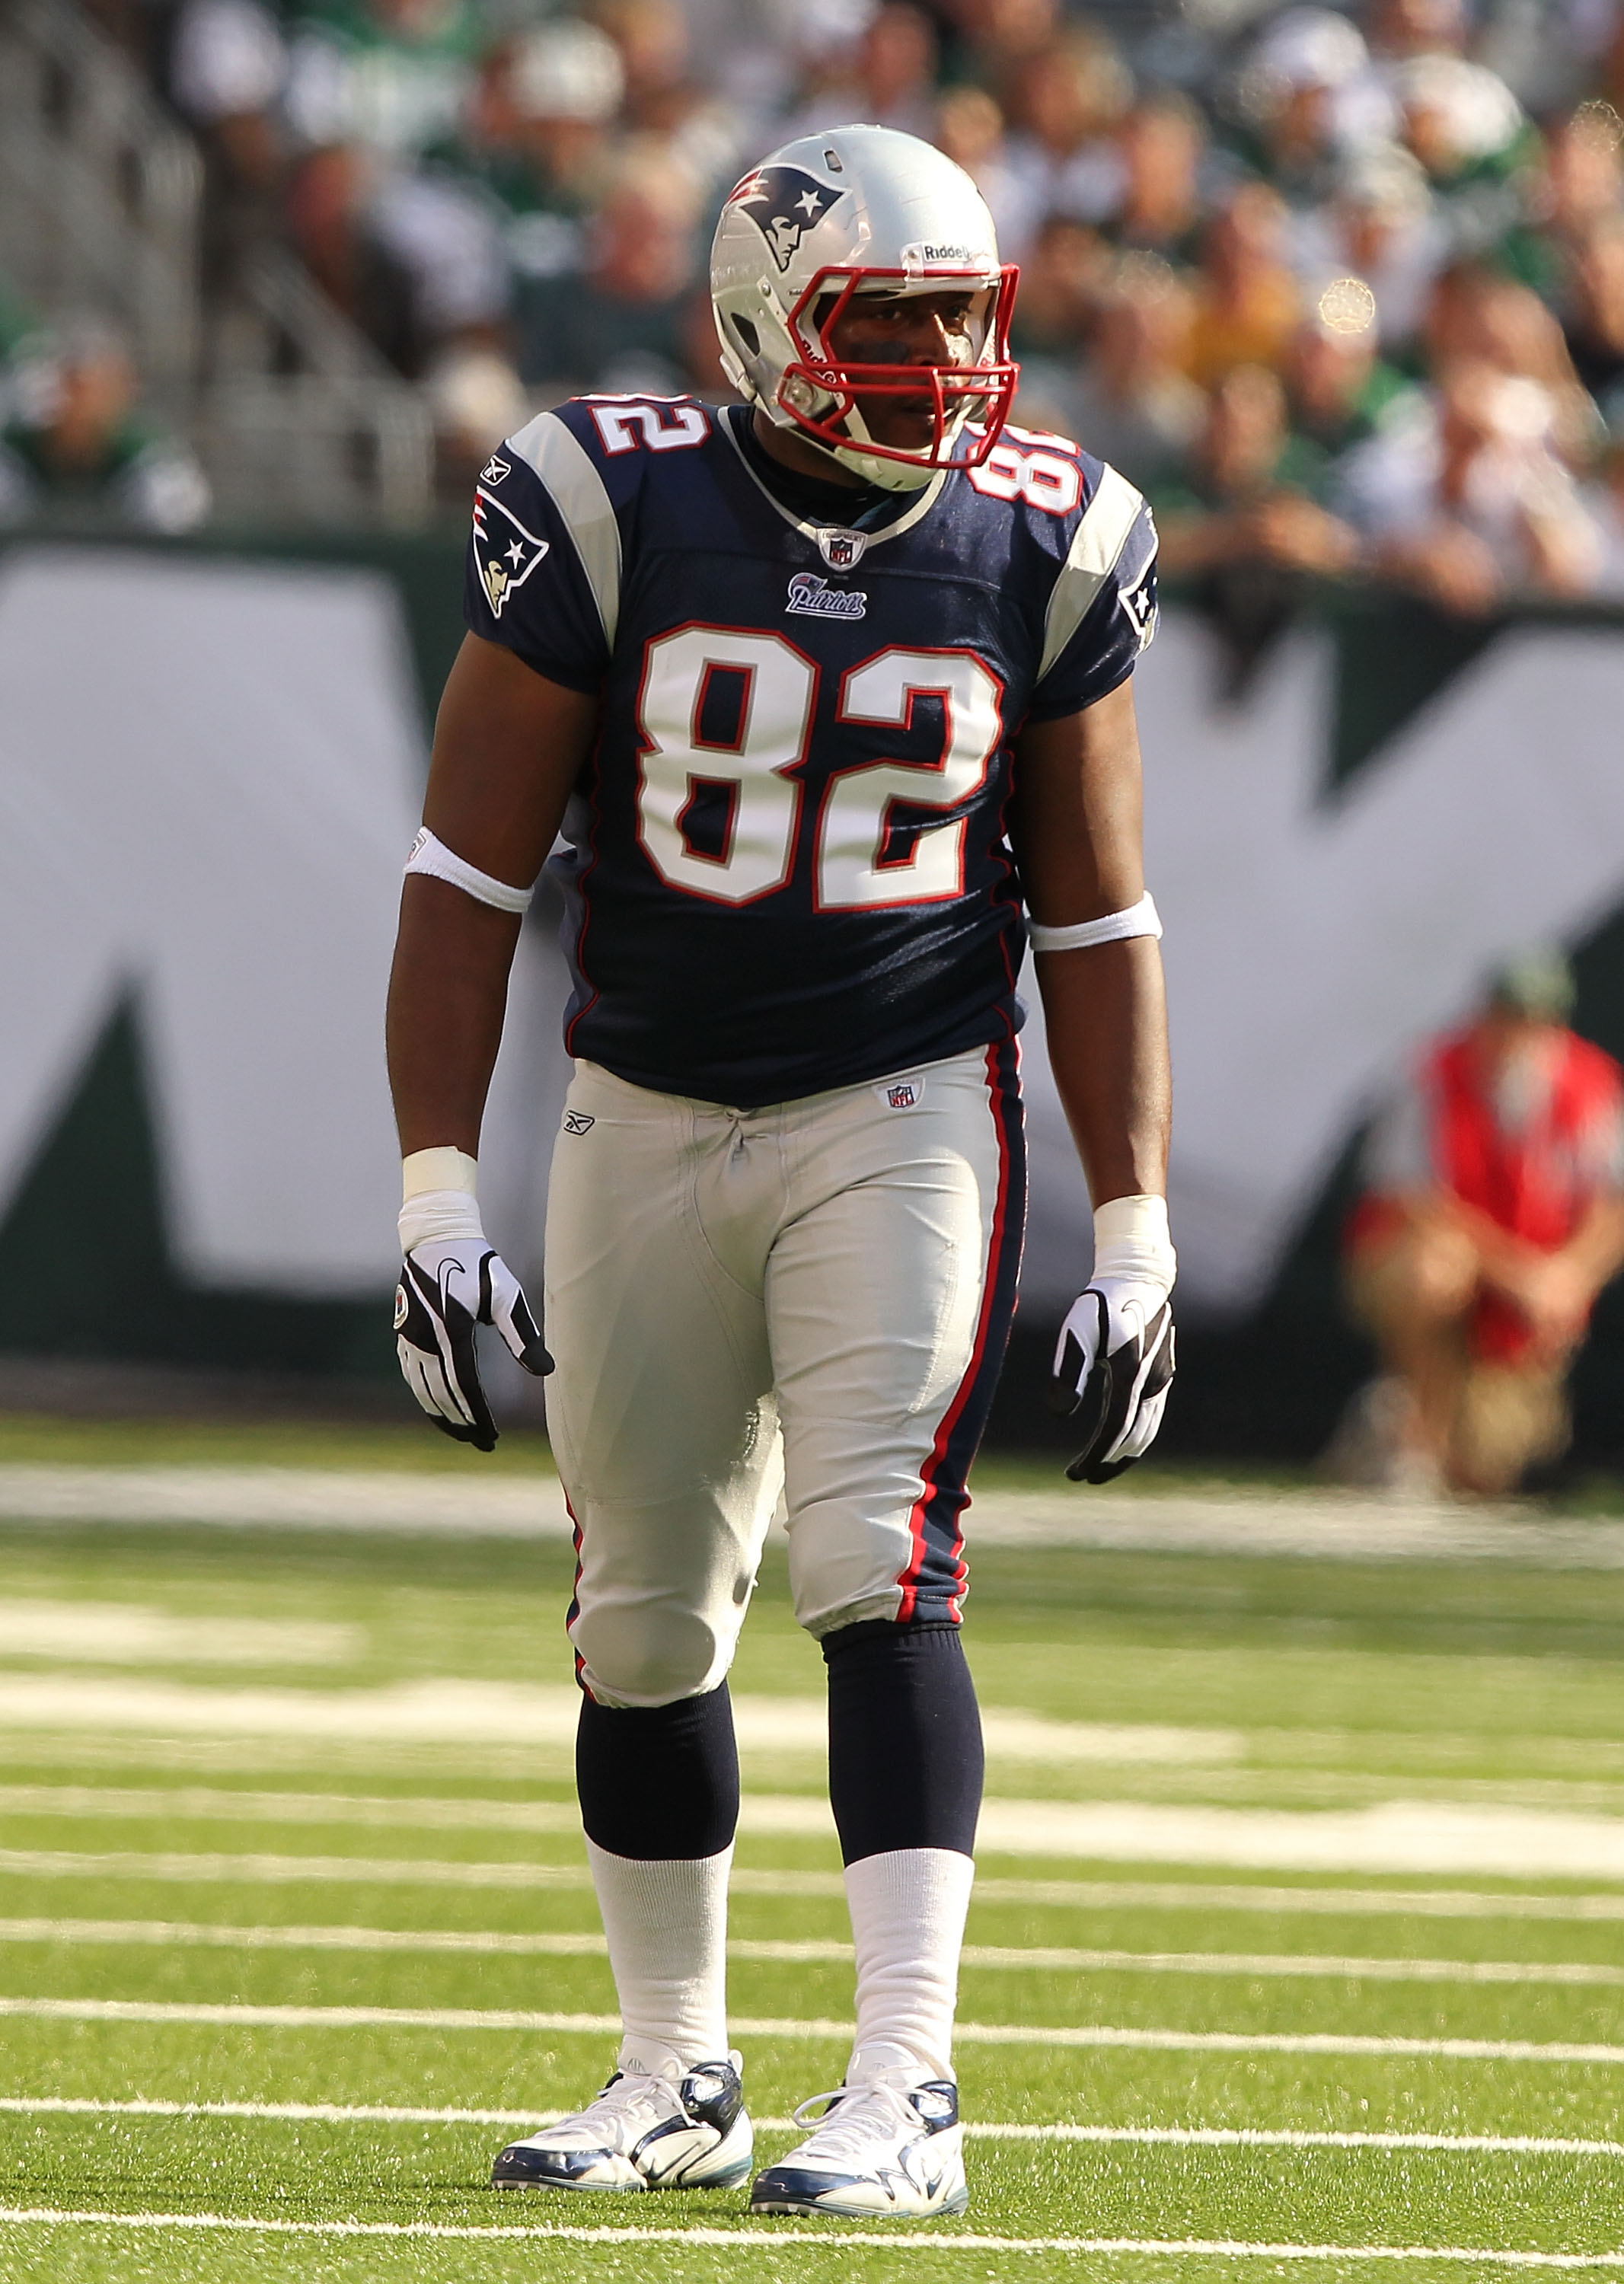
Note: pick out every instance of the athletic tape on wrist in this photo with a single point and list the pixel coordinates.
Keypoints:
(439, 1200)
(430, 855)
(441, 1168)
(1131, 1239)
(443, 1214)
(1139, 919)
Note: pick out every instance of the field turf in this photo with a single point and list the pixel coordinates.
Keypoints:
(274, 1984)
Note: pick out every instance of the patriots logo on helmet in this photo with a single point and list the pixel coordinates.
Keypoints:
(784, 203)
(504, 553)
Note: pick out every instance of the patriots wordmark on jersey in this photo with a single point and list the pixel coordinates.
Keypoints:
(787, 868)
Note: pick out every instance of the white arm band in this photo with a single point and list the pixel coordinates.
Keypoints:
(1138, 919)
(430, 855)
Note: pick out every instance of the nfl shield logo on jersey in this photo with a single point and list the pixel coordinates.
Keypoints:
(504, 551)
(842, 550)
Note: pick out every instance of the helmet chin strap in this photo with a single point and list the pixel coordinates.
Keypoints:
(874, 467)
(890, 476)
(893, 475)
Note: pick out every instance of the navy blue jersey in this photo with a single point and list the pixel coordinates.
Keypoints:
(788, 867)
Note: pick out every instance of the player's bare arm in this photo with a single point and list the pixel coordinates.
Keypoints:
(508, 747)
(1076, 831)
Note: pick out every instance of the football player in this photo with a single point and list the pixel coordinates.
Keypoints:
(814, 693)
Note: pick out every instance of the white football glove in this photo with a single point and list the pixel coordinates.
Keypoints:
(447, 1287)
(452, 1280)
(1113, 1360)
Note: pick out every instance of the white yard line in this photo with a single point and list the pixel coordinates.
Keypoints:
(782, 2239)
(1105, 1895)
(133, 1864)
(1354, 1903)
(296, 2113)
(1396, 1836)
(1323, 1525)
(208, 1803)
(451, 1710)
(320, 1498)
(1399, 1837)
(1178, 2137)
(130, 1633)
(1042, 1958)
(974, 2034)
(211, 1935)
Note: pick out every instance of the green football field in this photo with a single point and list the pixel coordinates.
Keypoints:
(1297, 1948)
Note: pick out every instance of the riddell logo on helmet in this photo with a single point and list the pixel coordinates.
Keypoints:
(784, 203)
(921, 255)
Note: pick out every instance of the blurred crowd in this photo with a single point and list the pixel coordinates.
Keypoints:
(1341, 289)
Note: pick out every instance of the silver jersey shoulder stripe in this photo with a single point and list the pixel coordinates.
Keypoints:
(548, 447)
(1098, 541)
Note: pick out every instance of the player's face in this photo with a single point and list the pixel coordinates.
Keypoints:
(923, 329)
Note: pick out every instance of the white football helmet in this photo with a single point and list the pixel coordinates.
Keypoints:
(861, 210)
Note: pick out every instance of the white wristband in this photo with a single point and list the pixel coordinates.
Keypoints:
(430, 855)
(438, 1189)
(1131, 1240)
(1113, 927)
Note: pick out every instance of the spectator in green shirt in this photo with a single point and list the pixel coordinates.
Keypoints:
(1339, 387)
(1242, 524)
(619, 323)
(73, 450)
(540, 142)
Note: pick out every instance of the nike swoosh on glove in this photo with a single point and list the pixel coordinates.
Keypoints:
(448, 1286)
(1113, 1367)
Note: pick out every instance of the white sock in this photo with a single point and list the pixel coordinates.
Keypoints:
(666, 1923)
(907, 1910)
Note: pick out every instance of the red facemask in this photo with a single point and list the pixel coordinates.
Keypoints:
(986, 388)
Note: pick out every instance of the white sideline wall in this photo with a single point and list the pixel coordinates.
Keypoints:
(210, 771)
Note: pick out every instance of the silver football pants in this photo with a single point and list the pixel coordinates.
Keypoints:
(814, 1297)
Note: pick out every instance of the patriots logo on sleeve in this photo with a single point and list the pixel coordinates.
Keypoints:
(504, 553)
(784, 203)
(1136, 574)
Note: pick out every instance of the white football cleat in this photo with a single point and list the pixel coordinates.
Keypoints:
(643, 2132)
(889, 2149)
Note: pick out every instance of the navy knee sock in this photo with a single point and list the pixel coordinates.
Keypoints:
(659, 1782)
(905, 1758)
